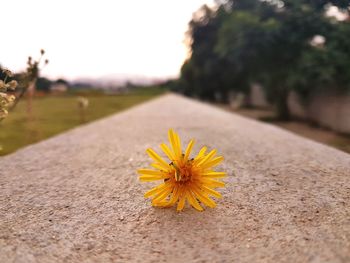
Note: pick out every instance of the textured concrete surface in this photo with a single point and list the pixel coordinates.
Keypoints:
(76, 197)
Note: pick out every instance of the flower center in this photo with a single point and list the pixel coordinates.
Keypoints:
(183, 173)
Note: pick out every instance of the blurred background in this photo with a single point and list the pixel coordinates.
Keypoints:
(283, 62)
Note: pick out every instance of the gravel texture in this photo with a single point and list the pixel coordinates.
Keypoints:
(76, 197)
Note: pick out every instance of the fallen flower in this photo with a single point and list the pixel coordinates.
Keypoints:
(185, 179)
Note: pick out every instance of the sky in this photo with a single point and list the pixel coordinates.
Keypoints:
(96, 38)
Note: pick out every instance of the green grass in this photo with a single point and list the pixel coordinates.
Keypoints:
(55, 114)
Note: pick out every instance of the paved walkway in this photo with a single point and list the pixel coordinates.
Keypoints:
(76, 197)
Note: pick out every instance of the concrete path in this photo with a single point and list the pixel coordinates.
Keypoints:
(76, 197)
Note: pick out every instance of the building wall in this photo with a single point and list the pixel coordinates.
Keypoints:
(257, 96)
(328, 110)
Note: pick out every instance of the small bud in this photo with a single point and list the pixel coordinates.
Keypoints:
(82, 102)
(12, 85)
(42, 51)
(7, 72)
(3, 114)
(46, 61)
(11, 98)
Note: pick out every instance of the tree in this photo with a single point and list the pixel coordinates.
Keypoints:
(43, 84)
(268, 41)
(242, 41)
(205, 73)
(325, 67)
(204, 64)
(62, 81)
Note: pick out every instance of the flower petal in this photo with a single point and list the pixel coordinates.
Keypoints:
(203, 198)
(167, 151)
(157, 158)
(175, 196)
(213, 162)
(174, 143)
(150, 178)
(212, 183)
(201, 153)
(162, 195)
(160, 204)
(193, 201)
(160, 167)
(178, 144)
(151, 175)
(149, 172)
(214, 174)
(210, 191)
(207, 157)
(188, 150)
(181, 203)
(156, 190)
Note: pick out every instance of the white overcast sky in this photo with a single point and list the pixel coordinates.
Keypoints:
(93, 38)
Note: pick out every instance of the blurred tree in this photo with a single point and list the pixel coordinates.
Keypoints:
(325, 67)
(204, 64)
(43, 84)
(267, 41)
(319, 5)
(207, 74)
(242, 41)
(62, 81)
(269, 46)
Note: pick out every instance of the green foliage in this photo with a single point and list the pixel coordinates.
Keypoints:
(245, 41)
(325, 68)
(43, 84)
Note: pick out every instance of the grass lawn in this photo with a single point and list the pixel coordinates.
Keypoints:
(55, 114)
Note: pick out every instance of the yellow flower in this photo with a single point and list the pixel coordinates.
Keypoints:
(185, 179)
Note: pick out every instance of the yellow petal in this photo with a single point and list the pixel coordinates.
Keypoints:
(161, 204)
(175, 196)
(151, 175)
(160, 167)
(156, 190)
(173, 142)
(203, 198)
(193, 201)
(162, 195)
(188, 150)
(167, 151)
(150, 178)
(208, 157)
(201, 153)
(210, 191)
(213, 162)
(211, 182)
(214, 174)
(181, 203)
(157, 158)
(178, 143)
(149, 172)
